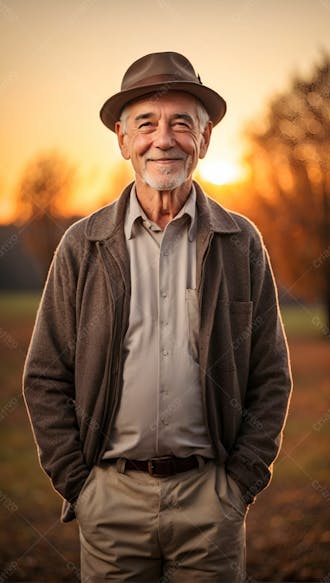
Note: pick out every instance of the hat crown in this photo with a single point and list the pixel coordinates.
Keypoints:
(159, 68)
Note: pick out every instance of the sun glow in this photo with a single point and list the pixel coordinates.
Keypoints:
(220, 172)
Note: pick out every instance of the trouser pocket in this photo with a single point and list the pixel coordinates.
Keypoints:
(228, 492)
(85, 491)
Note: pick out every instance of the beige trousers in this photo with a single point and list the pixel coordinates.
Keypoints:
(184, 528)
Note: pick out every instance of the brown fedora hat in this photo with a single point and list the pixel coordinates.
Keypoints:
(159, 73)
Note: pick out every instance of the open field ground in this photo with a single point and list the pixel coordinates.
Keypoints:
(288, 527)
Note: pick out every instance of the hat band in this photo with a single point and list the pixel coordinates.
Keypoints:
(155, 79)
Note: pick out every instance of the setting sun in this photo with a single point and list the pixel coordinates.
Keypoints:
(220, 172)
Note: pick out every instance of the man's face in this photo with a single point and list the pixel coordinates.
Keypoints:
(163, 139)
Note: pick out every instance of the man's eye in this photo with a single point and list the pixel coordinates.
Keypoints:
(181, 124)
(145, 124)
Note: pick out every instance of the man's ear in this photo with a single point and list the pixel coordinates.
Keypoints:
(122, 138)
(205, 139)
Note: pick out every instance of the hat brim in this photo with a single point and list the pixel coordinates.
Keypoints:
(214, 104)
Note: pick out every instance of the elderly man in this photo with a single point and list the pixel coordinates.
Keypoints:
(157, 380)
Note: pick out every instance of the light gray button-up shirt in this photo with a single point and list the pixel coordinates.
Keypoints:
(161, 409)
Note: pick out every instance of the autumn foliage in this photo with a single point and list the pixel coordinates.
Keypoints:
(290, 184)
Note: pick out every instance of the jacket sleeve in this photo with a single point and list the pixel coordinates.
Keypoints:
(269, 384)
(48, 378)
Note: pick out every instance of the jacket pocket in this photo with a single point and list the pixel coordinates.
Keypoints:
(231, 335)
(242, 326)
(240, 321)
(193, 321)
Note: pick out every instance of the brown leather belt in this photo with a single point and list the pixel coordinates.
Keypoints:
(162, 466)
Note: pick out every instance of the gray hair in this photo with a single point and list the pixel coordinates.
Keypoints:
(202, 116)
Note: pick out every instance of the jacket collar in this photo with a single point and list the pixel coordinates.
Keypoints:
(212, 216)
(105, 222)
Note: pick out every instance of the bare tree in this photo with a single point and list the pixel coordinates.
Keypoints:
(42, 192)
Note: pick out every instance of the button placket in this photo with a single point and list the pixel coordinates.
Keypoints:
(165, 346)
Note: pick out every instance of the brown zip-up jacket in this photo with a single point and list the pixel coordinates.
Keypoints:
(73, 370)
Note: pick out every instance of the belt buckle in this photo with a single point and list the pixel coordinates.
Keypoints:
(150, 467)
(165, 458)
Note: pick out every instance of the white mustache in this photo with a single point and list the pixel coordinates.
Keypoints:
(173, 156)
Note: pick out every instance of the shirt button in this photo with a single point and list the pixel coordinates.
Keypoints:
(165, 252)
(164, 352)
(164, 294)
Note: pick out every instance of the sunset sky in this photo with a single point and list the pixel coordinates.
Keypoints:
(62, 59)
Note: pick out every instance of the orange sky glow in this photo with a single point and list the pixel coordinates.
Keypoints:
(62, 60)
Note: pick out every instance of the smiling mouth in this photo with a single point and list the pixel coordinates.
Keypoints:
(164, 160)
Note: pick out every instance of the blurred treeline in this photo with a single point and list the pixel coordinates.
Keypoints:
(288, 158)
(287, 193)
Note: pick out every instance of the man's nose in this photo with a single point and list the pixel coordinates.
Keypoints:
(164, 137)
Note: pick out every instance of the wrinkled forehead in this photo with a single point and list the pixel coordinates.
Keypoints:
(175, 101)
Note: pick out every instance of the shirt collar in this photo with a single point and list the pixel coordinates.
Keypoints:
(135, 211)
(189, 209)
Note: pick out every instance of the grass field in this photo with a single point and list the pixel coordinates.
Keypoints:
(288, 528)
